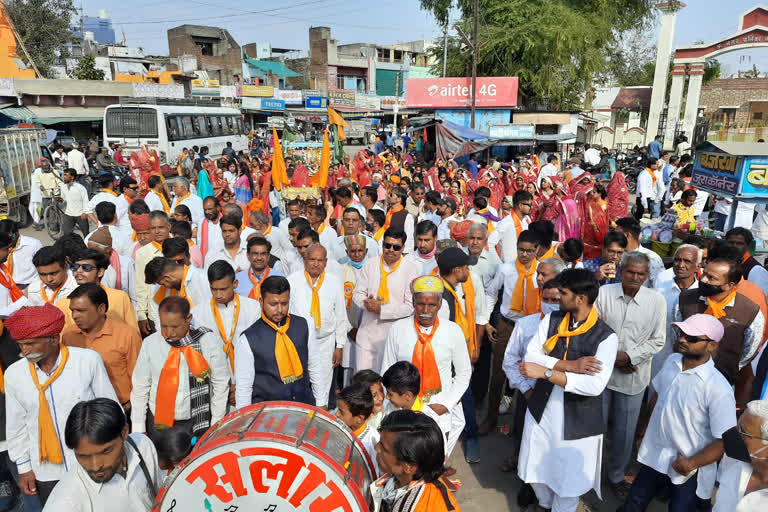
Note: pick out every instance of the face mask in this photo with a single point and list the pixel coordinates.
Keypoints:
(709, 290)
(549, 308)
(357, 265)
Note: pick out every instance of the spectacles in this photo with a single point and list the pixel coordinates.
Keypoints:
(744, 433)
(392, 246)
(136, 187)
(526, 204)
(87, 267)
(526, 251)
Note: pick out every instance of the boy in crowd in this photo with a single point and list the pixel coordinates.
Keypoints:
(354, 408)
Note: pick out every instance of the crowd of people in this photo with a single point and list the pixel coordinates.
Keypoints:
(418, 301)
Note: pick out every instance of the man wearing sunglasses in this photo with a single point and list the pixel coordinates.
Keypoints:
(743, 477)
(129, 189)
(383, 293)
(692, 408)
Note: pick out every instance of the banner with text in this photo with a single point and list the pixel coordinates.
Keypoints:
(457, 92)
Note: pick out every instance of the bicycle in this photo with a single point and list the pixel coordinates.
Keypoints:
(53, 215)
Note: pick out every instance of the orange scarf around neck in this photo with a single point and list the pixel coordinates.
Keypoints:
(717, 309)
(524, 300)
(50, 447)
(424, 360)
(168, 384)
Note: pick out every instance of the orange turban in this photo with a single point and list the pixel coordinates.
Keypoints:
(460, 230)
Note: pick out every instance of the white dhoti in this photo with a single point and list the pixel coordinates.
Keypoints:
(326, 345)
(455, 429)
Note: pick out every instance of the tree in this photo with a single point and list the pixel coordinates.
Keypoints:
(751, 73)
(43, 27)
(86, 69)
(711, 70)
(556, 47)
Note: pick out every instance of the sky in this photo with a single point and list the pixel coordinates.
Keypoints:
(284, 24)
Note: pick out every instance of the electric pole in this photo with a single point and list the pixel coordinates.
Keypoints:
(474, 64)
(445, 48)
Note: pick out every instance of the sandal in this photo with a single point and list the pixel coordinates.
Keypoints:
(509, 465)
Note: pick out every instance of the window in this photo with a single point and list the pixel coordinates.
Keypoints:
(231, 125)
(341, 82)
(758, 116)
(174, 133)
(215, 125)
(202, 126)
(187, 127)
(240, 125)
(131, 122)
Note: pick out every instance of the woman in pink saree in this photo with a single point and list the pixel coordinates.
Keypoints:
(562, 211)
(618, 198)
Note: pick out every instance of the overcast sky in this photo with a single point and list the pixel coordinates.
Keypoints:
(145, 22)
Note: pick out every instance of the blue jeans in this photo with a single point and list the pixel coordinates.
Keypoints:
(720, 219)
(470, 416)
(649, 482)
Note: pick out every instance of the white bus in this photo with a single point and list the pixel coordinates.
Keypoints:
(171, 128)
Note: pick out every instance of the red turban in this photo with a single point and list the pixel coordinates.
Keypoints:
(460, 230)
(35, 322)
(140, 222)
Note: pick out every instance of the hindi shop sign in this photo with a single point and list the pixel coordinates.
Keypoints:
(318, 102)
(341, 98)
(755, 183)
(457, 92)
(512, 131)
(289, 96)
(717, 172)
(259, 91)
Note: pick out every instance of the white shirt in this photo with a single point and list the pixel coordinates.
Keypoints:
(76, 197)
(196, 286)
(666, 286)
(154, 203)
(524, 330)
(693, 409)
(24, 271)
(121, 241)
(506, 233)
(444, 228)
(759, 276)
(545, 456)
(426, 264)
(83, 378)
(195, 205)
(77, 492)
(592, 156)
(334, 325)
(640, 322)
(659, 188)
(146, 376)
(219, 252)
(214, 234)
(451, 356)
(486, 267)
(8, 307)
(34, 293)
(98, 198)
(123, 221)
(127, 277)
(734, 476)
(328, 239)
(77, 161)
(245, 371)
(482, 313)
(506, 278)
(645, 188)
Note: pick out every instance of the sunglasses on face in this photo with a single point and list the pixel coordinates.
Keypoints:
(394, 247)
(691, 339)
(87, 267)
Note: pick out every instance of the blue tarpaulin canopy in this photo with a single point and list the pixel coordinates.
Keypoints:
(262, 68)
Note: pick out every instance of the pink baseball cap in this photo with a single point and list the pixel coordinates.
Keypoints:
(702, 325)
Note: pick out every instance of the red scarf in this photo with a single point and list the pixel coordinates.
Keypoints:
(204, 238)
(114, 262)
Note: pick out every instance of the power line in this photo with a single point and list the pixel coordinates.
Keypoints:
(266, 11)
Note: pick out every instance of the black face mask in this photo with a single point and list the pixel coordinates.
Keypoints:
(734, 445)
(709, 290)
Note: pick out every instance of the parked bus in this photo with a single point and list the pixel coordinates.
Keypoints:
(171, 128)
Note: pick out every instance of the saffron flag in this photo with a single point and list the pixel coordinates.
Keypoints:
(320, 178)
(279, 173)
(335, 118)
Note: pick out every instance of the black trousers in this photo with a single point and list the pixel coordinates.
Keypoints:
(70, 222)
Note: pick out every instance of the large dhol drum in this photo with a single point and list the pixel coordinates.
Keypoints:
(272, 457)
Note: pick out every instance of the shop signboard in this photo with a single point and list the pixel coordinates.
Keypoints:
(289, 96)
(307, 93)
(512, 131)
(258, 91)
(263, 104)
(755, 182)
(319, 102)
(457, 92)
(389, 102)
(720, 173)
(204, 87)
(341, 98)
(484, 117)
(367, 101)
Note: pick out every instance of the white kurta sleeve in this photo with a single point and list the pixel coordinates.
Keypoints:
(220, 375)
(492, 292)
(511, 363)
(316, 370)
(361, 292)
(390, 347)
(408, 227)
(534, 353)
(593, 385)
(482, 313)
(16, 425)
(340, 308)
(244, 372)
(141, 380)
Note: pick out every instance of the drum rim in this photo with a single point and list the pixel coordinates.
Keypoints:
(339, 469)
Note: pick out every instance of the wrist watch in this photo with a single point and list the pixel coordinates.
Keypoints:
(548, 374)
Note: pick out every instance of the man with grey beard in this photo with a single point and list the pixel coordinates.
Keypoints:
(37, 410)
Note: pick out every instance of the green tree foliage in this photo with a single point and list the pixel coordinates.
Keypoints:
(86, 69)
(556, 47)
(43, 26)
(711, 70)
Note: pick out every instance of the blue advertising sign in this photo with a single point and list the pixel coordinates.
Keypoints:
(316, 102)
(718, 173)
(755, 182)
(272, 104)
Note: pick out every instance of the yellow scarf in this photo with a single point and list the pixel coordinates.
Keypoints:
(466, 319)
(108, 191)
(269, 230)
(166, 207)
(383, 293)
(162, 291)
(418, 404)
(229, 348)
(524, 298)
(50, 448)
(44, 295)
(315, 309)
(550, 253)
(288, 362)
(380, 233)
(360, 431)
(563, 332)
(716, 308)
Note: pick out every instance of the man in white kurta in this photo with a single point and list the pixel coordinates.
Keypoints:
(350, 275)
(378, 312)
(332, 326)
(186, 281)
(191, 201)
(450, 349)
(54, 281)
(426, 247)
(20, 255)
(547, 460)
(209, 231)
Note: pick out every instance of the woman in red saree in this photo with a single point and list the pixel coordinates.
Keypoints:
(581, 191)
(454, 192)
(219, 182)
(618, 197)
(534, 191)
(595, 223)
(561, 210)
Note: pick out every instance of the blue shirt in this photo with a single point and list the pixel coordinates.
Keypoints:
(390, 141)
(244, 284)
(378, 147)
(667, 173)
(472, 166)
(594, 265)
(406, 142)
(654, 149)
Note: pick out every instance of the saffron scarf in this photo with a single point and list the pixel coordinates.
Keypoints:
(288, 362)
(390, 213)
(550, 253)
(653, 175)
(166, 207)
(163, 291)
(108, 191)
(524, 298)
(383, 293)
(50, 448)
(466, 319)
(168, 385)
(424, 360)
(255, 293)
(315, 308)
(44, 295)
(360, 430)
(6, 279)
(563, 332)
(716, 308)
(379, 234)
(229, 348)
(518, 223)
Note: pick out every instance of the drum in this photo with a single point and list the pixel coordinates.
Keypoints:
(272, 457)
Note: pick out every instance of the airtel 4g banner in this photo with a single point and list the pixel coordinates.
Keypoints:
(457, 92)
